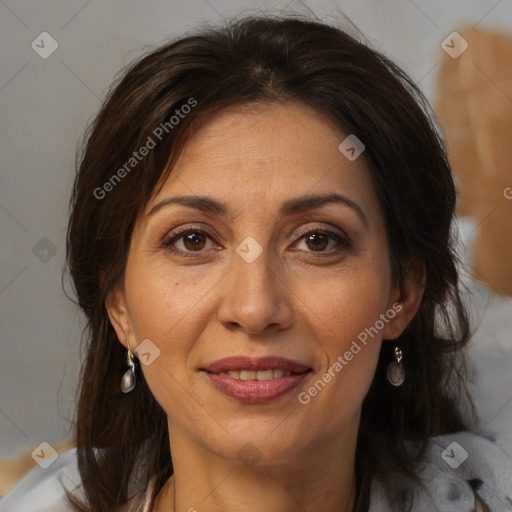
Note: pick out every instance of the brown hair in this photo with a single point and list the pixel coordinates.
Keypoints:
(264, 59)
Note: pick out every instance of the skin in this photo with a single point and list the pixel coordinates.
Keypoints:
(292, 301)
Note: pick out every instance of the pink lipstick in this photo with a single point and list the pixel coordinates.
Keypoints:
(256, 380)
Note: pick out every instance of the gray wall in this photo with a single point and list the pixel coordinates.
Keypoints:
(45, 104)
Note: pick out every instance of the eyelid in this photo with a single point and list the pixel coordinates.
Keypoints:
(181, 231)
(330, 230)
(186, 228)
(306, 230)
(343, 242)
(335, 233)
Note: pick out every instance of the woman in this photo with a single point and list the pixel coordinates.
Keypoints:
(263, 213)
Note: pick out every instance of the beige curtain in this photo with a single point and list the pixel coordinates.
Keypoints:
(475, 111)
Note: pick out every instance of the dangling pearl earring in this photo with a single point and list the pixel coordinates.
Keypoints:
(396, 372)
(129, 380)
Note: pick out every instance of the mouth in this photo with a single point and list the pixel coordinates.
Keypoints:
(256, 380)
(260, 375)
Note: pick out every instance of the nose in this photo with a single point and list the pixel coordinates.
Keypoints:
(255, 298)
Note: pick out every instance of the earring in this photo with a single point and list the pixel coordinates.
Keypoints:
(129, 380)
(396, 372)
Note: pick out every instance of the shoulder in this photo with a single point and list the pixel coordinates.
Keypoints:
(459, 471)
(44, 489)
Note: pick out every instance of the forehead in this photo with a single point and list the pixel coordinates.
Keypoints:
(269, 150)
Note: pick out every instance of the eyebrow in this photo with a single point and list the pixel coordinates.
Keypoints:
(289, 207)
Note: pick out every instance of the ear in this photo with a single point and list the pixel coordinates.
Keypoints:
(405, 299)
(120, 316)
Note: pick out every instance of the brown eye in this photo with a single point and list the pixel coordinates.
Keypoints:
(317, 241)
(194, 241)
(187, 242)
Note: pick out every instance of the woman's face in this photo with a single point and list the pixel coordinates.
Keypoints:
(268, 294)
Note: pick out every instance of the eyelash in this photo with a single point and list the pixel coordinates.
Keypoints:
(343, 242)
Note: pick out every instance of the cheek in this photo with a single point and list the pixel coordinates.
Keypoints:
(169, 308)
(346, 320)
(346, 306)
(164, 301)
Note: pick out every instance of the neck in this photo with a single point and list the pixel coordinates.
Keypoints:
(321, 478)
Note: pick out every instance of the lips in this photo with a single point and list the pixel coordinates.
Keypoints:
(255, 380)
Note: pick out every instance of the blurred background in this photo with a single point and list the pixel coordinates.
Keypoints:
(59, 57)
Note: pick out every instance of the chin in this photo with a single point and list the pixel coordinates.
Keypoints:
(265, 440)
